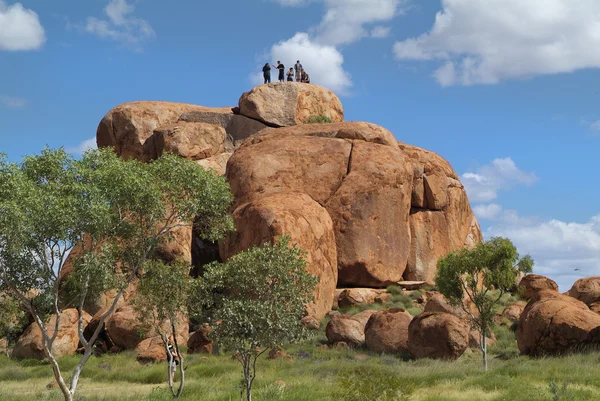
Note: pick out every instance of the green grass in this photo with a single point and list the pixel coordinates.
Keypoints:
(314, 374)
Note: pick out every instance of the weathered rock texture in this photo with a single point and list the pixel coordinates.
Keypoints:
(513, 312)
(306, 223)
(553, 324)
(441, 219)
(345, 329)
(387, 331)
(587, 290)
(531, 284)
(290, 103)
(29, 345)
(437, 335)
(200, 342)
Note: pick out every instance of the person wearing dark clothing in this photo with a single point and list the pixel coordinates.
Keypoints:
(281, 69)
(172, 360)
(290, 75)
(298, 68)
(267, 73)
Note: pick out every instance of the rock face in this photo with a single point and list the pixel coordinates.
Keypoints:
(290, 103)
(441, 219)
(387, 331)
(345, 329)
(533, 283)
(306, 223)
(513, 312)
(438, 336)
(29, 345)
(127, 127)
(200, 342)
(194, 141)
(587, 290)
(361, 296)
(552, 324)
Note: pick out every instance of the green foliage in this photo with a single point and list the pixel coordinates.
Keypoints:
(258, 296)
(12, 318)
(319, 119)
(162, 292)
(474, 273)
(106, 211)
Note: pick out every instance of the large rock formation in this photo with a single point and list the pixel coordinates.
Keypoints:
(306, 223)
(553, 324)
(29, 345)
(438, 336)
(290, 103)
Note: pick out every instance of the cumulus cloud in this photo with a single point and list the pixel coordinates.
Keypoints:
(487, 212)
(501, 174)
(486, 41)
(121, 26)
(346, 21)
(564, 251)
(322, 62)
(13, 102)
(83, 147)
(20, 28)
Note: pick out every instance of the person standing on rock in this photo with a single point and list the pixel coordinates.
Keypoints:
(267, 73)
(290, 75)
(281, 69)
(298, 69)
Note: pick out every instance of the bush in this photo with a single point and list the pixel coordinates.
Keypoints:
(320, 119)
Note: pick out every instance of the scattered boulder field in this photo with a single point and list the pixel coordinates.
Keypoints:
(370, 212)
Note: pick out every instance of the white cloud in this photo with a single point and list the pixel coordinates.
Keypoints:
(345, 20)
(293, 3)
(120, 26)
(13, 102)
(83, 146)
(501, 174)
(487, 212)
(564, 251)
(323, 63)
(20, 28)
(380, 32)
(486, 41)
(595, 126)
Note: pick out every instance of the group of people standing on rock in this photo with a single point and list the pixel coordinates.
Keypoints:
(296, 72)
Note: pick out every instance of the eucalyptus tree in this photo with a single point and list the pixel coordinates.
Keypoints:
(255, 301)
(112, 213)
(481, 276)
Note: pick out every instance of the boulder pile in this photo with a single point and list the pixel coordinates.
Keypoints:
(369, 211)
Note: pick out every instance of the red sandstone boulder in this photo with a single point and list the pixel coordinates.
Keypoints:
(345, 329)
(533, 283)
(387, 331)
(29, 345)
(552, 324)
(306, 223)
(200, 342)
(127, 127)
(438, 336)
(513, 312)
(360, 296)
(192, 141)
(587, 290)
(290, 103)
(441, 219)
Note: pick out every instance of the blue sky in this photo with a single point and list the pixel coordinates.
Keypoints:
(505, 90)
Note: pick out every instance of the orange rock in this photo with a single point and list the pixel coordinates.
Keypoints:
(200, 342)
(30, 345)
(306, 223)
(533, 283)
(290, 103)
(194, 141)
(437, 335)
(587, 290)
(387, 331)
(553, 324)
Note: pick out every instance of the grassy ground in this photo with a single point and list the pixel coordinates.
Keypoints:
(326, 374)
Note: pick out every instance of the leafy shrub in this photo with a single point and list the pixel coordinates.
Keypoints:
(320, 119)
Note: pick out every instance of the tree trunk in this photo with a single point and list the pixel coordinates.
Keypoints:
(484, 348)
(58, 376)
